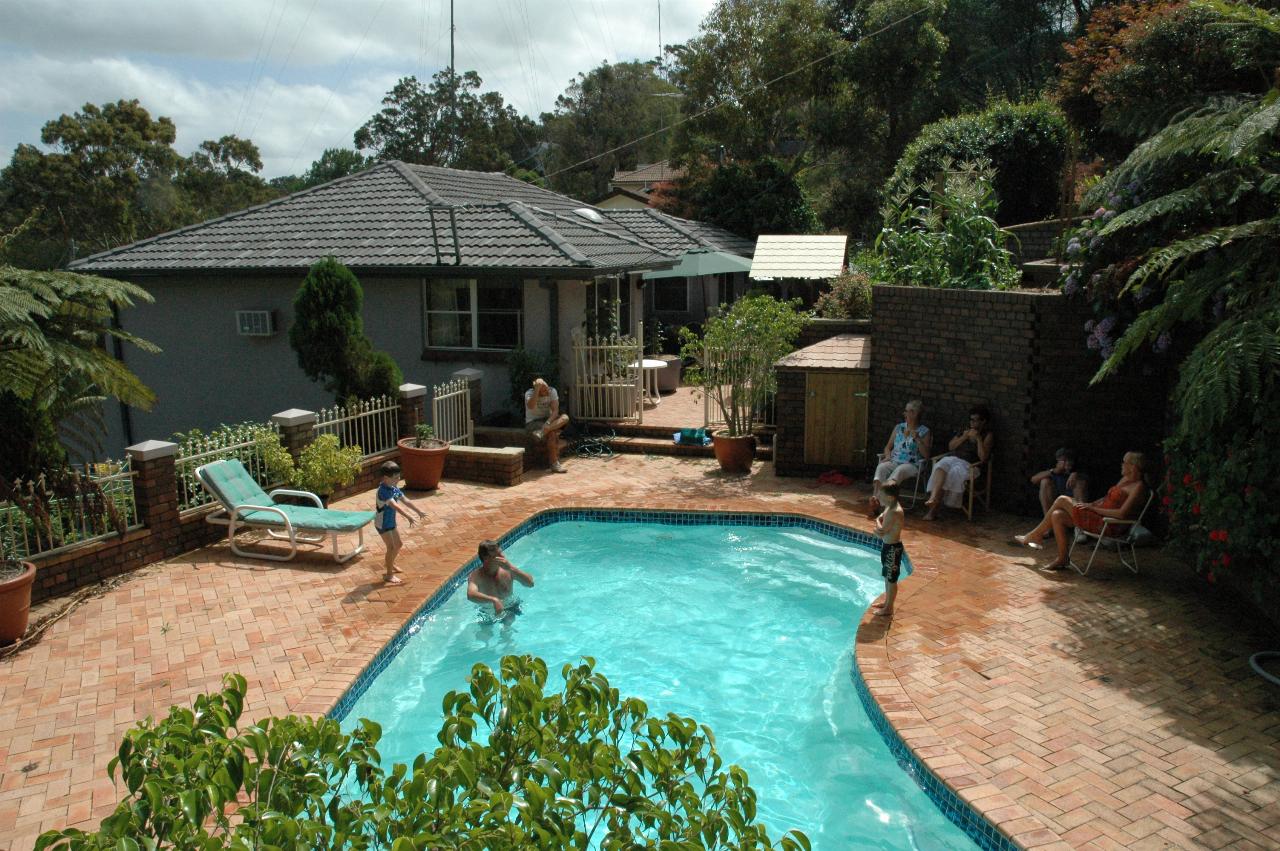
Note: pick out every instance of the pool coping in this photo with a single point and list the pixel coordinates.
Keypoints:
(985, 833)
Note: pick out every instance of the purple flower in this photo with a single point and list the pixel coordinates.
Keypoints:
(1111, 214)
(1071, 287)
(1073, 248)
(1094, 343)
(1107, 350)
(1100, 212)
(1088, 326)
(1163, 342)
(1107, 323)
(1095, 243)
(1113, 200)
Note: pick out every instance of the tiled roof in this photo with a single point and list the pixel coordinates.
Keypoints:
(674, 234)
(399, 216)
(810, 257)
(843, 351)
(651, 173)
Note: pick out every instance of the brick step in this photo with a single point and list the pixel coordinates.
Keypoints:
(634, 445)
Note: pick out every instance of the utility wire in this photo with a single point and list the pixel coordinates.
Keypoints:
(275, 82)
(686, 119)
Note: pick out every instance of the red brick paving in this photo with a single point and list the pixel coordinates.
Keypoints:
(1104, 712)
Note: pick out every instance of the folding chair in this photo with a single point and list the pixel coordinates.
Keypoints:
(1116, 542)
(917, 482)
(978, 483)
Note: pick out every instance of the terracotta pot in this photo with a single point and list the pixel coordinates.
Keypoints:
(423, 465)
(15, 604)
(735, 454)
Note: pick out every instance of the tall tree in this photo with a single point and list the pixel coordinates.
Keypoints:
(107, 181)
(221, 177)
(448, 123)
(604, 108)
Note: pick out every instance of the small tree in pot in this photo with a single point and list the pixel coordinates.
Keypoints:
(733, 365)
(422, 458)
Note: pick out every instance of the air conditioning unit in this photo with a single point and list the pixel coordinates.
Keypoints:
(256, 323)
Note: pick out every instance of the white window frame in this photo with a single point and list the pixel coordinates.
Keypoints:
(661, 281)
(474, 313)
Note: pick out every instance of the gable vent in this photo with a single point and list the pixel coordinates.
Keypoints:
(256, 323)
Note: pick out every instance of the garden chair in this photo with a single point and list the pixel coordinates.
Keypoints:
(977, 486)
(246, 505)
(1133, 532)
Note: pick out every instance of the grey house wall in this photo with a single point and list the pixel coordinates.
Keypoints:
(208, 374)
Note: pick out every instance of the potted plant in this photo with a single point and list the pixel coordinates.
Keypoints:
(325, 465)
(733, 364)
(422, 458)
(16, 577)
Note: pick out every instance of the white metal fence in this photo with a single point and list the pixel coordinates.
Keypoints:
(608, 381)
(244, 442)
(451, 413)
(724, 366)
(371, 424)
(46, 517)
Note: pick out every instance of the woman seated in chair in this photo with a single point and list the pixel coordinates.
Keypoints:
(966, 450)
(1121, 502)
(905, 451)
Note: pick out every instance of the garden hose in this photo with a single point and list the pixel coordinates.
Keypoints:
(1255, 662)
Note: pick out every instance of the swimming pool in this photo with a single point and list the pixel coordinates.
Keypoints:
(746, 627)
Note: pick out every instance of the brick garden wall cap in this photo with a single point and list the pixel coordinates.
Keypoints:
(149, 450)
(412, 391)
(293, 417)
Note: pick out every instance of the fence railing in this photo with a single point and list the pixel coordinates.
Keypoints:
(243, 441)
(608, 380)
(451, 413)
(725, 365)
(71, 512)
(371, 424)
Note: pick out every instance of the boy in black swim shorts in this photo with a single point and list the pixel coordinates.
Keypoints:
(889, 530)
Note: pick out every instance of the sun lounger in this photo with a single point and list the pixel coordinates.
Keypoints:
(246, 505)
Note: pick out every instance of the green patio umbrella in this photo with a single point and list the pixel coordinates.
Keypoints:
(703, 262)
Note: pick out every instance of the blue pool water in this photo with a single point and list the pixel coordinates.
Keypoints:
(747, 629)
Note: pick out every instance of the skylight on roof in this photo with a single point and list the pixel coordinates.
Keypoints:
(590, 215)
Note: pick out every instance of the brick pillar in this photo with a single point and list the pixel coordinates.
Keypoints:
(297, 430)
(155, 492)
(475, 380)
(413, 399)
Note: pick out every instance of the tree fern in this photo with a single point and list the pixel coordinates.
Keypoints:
(1232, 363)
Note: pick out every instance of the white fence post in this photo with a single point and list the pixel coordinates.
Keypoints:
(451, 413)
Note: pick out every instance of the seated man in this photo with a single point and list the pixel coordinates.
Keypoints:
(543, 419)
(491, 582)
(1062, 479)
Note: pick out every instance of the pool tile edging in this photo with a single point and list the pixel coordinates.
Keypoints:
(985, 834)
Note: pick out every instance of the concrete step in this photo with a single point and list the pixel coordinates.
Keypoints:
(1040, 273)
(636, 445)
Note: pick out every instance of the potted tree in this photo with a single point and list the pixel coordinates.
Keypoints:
(422, 458)
(325, 465)
(733, 364)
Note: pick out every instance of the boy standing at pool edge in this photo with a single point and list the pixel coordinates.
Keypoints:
(889, 530)
(386, 504)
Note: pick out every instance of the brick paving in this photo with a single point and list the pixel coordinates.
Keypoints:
(1104, 712)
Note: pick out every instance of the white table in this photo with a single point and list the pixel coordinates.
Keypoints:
(650, 368)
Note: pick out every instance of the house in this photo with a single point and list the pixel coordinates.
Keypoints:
(623, 199)
(640, 180)
(458, 268)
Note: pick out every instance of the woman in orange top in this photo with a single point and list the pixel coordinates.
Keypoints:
(1065, 514)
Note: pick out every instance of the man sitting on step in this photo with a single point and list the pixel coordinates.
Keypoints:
(542, 418)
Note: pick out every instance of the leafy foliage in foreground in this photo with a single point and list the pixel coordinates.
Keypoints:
(516, 768)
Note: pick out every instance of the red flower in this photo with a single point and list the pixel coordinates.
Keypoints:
(1195, 509)
(1167, 502)
(1209, 576)
(1188, 479)
(1226, 559)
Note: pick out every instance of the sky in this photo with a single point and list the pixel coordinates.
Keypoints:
(299, 76)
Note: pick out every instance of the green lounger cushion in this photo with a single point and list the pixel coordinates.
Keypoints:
(233, 486)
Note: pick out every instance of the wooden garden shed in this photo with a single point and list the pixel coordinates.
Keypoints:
(823, 396)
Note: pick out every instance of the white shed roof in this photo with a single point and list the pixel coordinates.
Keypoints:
(798, 257)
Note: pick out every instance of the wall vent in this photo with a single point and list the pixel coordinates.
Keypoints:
(256, 323)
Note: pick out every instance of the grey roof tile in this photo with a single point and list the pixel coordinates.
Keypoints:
(396, 215)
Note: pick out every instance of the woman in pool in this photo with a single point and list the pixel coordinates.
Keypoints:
(1124, 498)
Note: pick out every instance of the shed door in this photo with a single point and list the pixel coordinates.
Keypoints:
(835, 419)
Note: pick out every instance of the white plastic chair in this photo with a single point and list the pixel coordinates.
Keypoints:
(1113, 541)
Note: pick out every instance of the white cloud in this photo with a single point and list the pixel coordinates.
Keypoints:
(298, 76)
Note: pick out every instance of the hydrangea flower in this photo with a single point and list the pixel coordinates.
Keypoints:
(1133, 185)
(1113, 200)
(1073, 248)
(1095, 243)
(1107, 323)
(1071, 286)
(1110, 214)
(1093, 342)
(1100, 212)
(1163, 342)
(1088, 326)
(1107, 350)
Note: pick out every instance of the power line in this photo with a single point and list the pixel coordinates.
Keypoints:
(253, 68)
(686, 119)
(275, 83)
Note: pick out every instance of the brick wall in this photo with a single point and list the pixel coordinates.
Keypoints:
(487, 464)
(816, 330)
(1021, 354)
(788, 441)
(1036, 240)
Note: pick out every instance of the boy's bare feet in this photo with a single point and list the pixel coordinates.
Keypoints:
(882, 612)
(392, 580)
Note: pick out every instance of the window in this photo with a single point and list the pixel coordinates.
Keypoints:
(671, 295)
(605, 298)
(465, 313)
